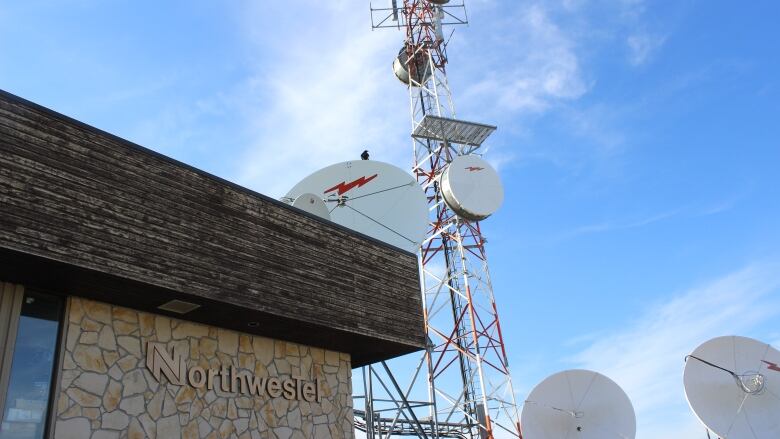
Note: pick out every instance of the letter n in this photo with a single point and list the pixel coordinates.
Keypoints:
(158, 361)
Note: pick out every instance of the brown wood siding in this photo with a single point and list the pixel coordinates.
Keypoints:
(124, 224)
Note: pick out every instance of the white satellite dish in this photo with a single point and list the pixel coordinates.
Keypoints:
(733, 386)
(313, 204)
(471, 187)
(578, 404)
(421, 67)
(373, 198)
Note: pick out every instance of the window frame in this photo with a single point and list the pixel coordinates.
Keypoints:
(10, 317)
(59, 358)
(11, 298)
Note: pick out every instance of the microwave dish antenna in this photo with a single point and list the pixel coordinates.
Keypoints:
(732, 384)
(579, 404)
(471, 188)
(313, 204)
(374, 198)
(411, 67)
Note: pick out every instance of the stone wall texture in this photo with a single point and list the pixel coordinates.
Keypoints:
(106, 391)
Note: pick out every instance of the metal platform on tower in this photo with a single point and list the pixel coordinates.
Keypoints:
(391, 426)
(452, 130)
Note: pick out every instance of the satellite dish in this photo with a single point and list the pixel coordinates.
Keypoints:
(733, 386)
(421, 67)
(373, 198)
(313, 204)
(471, 188)
(578, 404)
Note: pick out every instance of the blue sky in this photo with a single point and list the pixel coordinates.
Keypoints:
(639, 144)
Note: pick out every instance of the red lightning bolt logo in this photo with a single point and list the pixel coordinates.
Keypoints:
(343, 187)
(771, 366)
(474, 168)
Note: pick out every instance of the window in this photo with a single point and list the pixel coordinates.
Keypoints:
(29, 328)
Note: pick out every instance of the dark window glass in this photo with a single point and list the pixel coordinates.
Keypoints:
(29, 386)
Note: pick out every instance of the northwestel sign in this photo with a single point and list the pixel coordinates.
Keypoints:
(228, 379)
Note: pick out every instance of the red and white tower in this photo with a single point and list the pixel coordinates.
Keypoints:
(461, 387)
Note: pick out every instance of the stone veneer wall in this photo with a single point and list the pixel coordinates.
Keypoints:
(107, 392)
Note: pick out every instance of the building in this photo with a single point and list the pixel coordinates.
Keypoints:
(140, 297)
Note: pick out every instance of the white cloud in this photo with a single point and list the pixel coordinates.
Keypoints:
(642, 43)
(646, 358)
(632, 223)
(535, 65)
(320, 101)
(642, 46)
(609, 226)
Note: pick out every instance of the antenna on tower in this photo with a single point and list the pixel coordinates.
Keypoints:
(452, 13)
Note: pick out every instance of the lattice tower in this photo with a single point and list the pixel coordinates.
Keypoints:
(464, 371)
